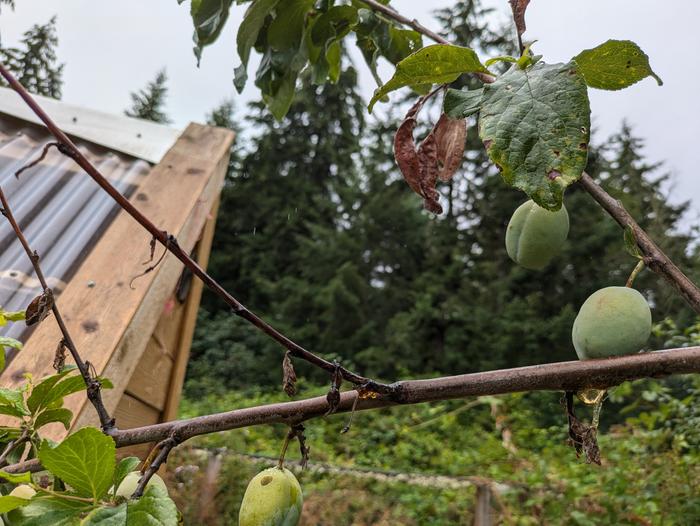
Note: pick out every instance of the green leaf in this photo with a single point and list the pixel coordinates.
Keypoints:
(209, 18)
(12, 411)
(84, 461)
(54, 511)
(436, 64)
(16, 478)
(108, 516)
(14, 400)
(125, 466)
(9, 503)
(460, 104)
(248, 33)
(333, 24)
(503, 58)
(614, 65)
(18, 315)
(402, 42)
(62, 415)
(154, 507)
(10, 342)
(535, 124)
(631, 243)
(43, 392)
(287, 28)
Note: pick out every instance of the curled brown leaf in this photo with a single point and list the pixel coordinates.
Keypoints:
(450, 136)
(405, 149)
(289, 376)
(429, 170)
(39, 308)
(519, 7)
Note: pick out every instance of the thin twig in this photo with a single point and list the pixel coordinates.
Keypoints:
(164, 448)
(11, 446)
(635, 272)
(91, 383)
(41, 157)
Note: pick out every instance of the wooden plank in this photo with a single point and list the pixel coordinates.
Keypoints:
(131, 412)
(151, 376)
(167, 332)
(111, 322)
(177, 378)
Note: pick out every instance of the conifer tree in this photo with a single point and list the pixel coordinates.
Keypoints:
(34, 62)
(148, 103)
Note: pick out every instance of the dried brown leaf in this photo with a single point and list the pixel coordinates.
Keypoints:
(304, 450)
(59, 359)
(519, 7)
(405, 149)
(289, 376)
(583, 437)
(429, 171)
(333, 396)
(451, 136)
(39, 308)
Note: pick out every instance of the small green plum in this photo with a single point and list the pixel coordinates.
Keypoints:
(23, 491)
(128, 485)
(535, 235)
(614, 321)
(273, 498)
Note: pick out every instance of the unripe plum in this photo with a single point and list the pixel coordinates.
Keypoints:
(613, 321)
(128, 485)
(273, 498)
(23, 491)
(535, 235)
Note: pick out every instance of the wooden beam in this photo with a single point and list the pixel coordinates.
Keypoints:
(149, 382)
(189, 321)
(111, 322)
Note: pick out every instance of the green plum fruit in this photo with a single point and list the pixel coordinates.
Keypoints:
(273, 498)
(613, 321)
(128, 485)
(23, 491)
(535, 235)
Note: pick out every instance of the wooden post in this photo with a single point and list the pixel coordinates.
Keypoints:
(482, 509)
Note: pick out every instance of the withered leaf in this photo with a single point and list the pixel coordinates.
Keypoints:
(582, 436)
(519, 7)
(333, 396)
(289, 376)
(429, 171)
(303, 448)
(39, 308)
(405, 149)
(450, 136)
(59, 359)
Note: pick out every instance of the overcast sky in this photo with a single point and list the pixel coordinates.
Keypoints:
(112, 48)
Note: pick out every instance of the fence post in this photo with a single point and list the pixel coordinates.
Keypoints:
(482, 510)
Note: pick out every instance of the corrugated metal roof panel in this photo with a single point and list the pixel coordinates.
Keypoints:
(143, 139)
(61, 210)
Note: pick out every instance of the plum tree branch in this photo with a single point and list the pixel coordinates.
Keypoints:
(562, 376)
(68, 148)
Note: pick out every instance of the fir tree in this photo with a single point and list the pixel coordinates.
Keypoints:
(148, 102)
(34, 62)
